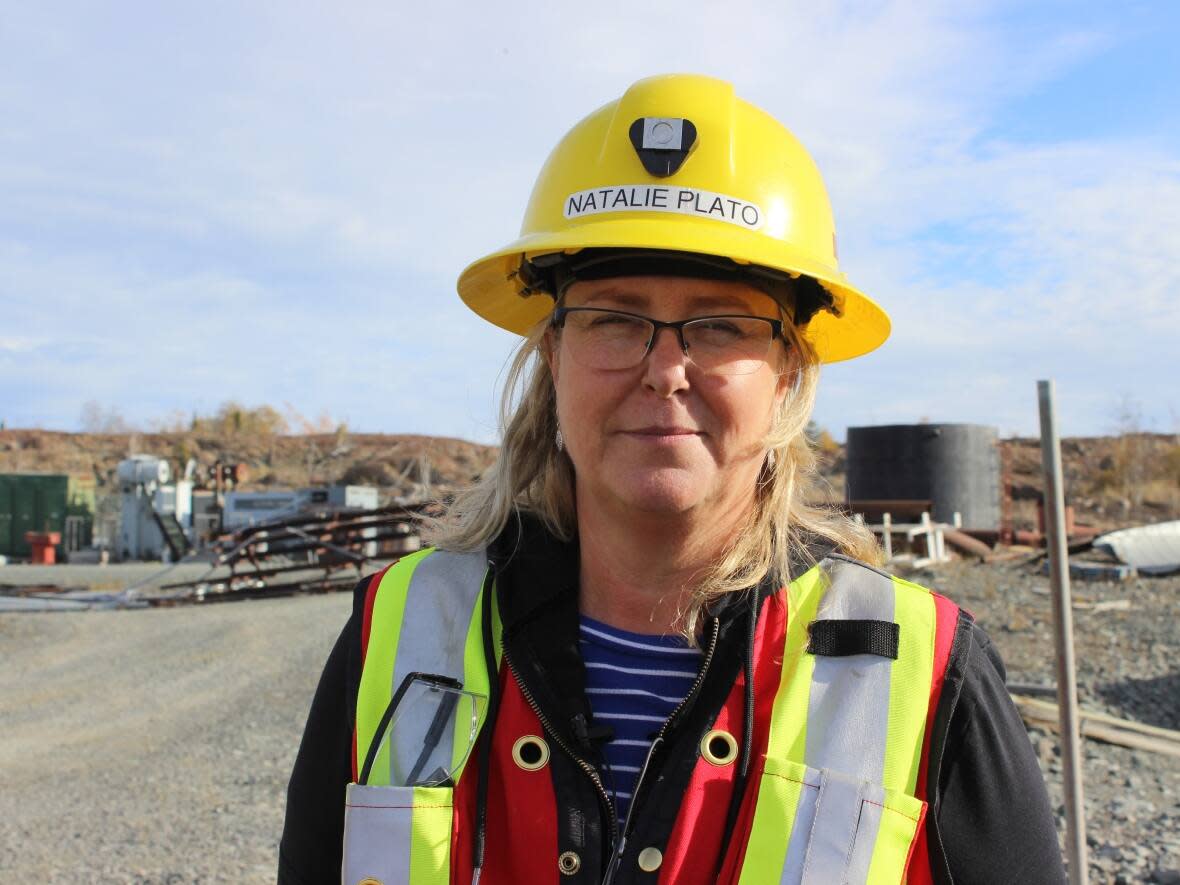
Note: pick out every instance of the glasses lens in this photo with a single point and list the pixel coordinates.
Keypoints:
(729, 345)
(431, 734)
(603, 339)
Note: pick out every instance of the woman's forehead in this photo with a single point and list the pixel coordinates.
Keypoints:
(645, 294)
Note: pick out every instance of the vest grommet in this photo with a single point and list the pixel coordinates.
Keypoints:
(531, 753)
(569, 863)
(719, 747)
(650, 859)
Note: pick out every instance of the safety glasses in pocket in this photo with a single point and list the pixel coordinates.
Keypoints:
(426, 732)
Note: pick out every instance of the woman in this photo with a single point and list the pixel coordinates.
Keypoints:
(636, 653)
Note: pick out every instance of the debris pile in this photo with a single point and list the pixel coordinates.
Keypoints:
(309, 552)
(1127, 647)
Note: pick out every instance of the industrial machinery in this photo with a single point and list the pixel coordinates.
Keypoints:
(165, 520)
(156, 520)
(244, 509)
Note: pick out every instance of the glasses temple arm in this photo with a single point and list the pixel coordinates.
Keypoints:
(433, 735)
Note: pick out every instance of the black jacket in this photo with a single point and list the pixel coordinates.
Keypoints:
(989, 819)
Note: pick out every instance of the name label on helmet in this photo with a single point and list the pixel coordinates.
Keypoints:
(662, 198)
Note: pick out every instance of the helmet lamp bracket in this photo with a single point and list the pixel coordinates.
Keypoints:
(663, 143)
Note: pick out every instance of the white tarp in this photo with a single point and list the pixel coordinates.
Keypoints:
(1152, 549)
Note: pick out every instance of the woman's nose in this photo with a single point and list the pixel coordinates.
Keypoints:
(666, 365)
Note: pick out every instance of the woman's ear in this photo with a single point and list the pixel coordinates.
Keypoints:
(788, 374)
(786, 380)
(549, 344)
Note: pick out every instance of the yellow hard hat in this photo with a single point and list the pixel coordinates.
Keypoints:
(680, 165)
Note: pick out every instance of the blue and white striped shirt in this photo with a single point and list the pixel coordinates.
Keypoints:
(633, 682)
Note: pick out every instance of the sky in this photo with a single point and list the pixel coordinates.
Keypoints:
(270, 202)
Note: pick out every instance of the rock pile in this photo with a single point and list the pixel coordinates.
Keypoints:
(1128, 662)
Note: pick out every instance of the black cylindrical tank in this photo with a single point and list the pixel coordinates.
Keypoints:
(956, 466)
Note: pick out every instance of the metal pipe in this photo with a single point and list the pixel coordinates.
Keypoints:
(355, 557)
(1067, 689)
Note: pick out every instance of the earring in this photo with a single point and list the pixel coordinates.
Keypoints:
(560, 440)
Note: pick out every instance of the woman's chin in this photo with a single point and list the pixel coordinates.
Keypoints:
(666, 490)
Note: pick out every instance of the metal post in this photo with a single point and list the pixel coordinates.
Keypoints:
(1067, 690)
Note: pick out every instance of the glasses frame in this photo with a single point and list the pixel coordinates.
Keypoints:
(560, 313)
(435, 731)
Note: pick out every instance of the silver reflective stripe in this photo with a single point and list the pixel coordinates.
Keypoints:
(838, 815)
(848, 709)
(378, 827)
(439, 606)
(440, 603)
(833, 831)
(871, 807)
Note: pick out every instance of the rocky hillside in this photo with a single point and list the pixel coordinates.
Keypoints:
(1111, 481)
(401, 466)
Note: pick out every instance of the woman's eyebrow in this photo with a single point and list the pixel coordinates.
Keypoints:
(620, 297)
(726, 302)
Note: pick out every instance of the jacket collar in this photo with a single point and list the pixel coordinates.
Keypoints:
(537, 596)
(538, 572)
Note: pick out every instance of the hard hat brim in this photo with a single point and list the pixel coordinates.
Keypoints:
(490, 286)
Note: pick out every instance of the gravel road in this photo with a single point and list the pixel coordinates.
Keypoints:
(154, 746)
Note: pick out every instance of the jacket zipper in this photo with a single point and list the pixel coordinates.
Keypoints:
(659, 739)
(590, 771)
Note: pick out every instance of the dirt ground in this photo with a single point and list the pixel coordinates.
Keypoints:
(154, 746)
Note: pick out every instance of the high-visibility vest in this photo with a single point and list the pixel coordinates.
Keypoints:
(837, 781)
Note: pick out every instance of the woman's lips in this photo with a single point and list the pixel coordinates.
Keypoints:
(656, 434)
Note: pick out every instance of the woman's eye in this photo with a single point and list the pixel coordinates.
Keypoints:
(614, 320)
(718, 327)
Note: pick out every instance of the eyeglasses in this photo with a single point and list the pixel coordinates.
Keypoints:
(426, 733)
(615, 339)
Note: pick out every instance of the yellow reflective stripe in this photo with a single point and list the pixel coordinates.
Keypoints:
(909, 693)
(788, 722)
(781, 804)
(375, 689)
(782, 780)
(430, 842)
(899, 823)
(475, 677)
(774, 819)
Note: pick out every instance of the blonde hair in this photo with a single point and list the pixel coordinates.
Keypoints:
(531, 475)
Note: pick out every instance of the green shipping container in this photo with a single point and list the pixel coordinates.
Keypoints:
(41, 502)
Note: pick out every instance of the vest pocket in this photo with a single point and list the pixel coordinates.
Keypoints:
(389, 829)
(823, 827)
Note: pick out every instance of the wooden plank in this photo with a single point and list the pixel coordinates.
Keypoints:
(1048, 708)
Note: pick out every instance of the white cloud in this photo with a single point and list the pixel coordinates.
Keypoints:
(12, 344)
(272, 202)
